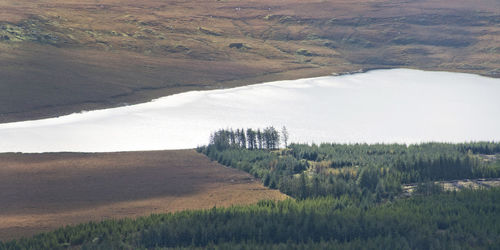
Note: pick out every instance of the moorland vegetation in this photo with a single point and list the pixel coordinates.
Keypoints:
(346, 196)
(58, 57)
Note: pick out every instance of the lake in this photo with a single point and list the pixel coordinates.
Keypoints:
(379, 106)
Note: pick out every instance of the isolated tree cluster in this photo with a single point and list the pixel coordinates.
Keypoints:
(268, 138)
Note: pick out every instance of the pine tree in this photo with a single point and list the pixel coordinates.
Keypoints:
(284, 133)
(260, 139)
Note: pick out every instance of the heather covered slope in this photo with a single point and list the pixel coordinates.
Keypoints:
(58, 57)
(41, 192)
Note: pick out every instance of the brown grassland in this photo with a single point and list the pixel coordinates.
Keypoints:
(63, 56)
(41, 192)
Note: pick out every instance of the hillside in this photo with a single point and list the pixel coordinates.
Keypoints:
(347, 196)
(58, 57)
(41, 192)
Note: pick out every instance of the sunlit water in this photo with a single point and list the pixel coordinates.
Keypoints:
(398, 105)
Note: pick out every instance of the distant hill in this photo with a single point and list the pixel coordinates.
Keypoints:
(58, 57)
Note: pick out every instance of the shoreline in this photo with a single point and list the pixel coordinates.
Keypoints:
(185, 120)
(141, 96)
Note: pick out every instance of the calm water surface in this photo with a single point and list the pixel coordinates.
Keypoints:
(398, 105)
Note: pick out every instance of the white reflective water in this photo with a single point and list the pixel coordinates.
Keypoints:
(398, 105)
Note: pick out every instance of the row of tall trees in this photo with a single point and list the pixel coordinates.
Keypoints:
(268, 138)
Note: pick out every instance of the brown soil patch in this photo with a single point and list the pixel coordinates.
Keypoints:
(41, 192)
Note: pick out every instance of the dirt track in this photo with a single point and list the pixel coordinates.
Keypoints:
(41, 192)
